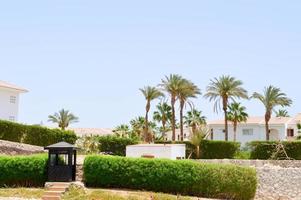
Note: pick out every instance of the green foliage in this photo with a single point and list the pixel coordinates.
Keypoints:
(265, 150)
(88, 144)
(33, 134)
(115, 145)
(23, 170)
(209, 149)
(177, 177)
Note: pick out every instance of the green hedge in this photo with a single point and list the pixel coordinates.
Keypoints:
(33, 134)
(265, 149)
(210, 149)
(115, 145)
(178, 177)
(23, 170)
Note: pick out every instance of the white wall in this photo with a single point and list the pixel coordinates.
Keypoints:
(258, 132)
(8, 109)
(170, 151)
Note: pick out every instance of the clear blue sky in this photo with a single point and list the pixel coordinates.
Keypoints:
(92, 56)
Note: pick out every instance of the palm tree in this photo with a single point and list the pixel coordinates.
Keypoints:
(271, 97)
(236, 114)
(150, 93)
(187, 90)
(281, 113)
(138, 125)
(122, 130)
(163, 115)
(197, 138)
(63, 118)
(223, 89)
(194, 119)
(172, 85)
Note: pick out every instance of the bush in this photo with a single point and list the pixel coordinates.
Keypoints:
(115, 145)
(23, 170)
(265, 149)
(33, 134)
(178, 177)
(210, 149)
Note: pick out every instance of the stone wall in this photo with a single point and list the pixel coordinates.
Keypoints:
(257, 163)
(14, 148)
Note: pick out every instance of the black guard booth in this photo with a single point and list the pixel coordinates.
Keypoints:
(61, 162)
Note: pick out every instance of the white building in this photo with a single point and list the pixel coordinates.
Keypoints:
(281, 128)
(9, 100)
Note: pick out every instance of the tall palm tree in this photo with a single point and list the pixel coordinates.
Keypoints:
(150, 93)
(221, 90)
(194, 119)
(172, 84)
(187, 90)
(63, 118)
(281, 113)
(236, 114)
(163, 115)
(271, 97)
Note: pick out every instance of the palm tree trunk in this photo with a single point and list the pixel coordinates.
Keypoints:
(147, 137)
(193, 128)
(267, 129)
(164, 128)
(197, 152)
(181, 120)
(234, 130)
(225, 104)
(173, 118)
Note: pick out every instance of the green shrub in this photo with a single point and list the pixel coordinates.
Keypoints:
(265, 150)
(23, 170)
(115, 145)
(33, 134)
(178, 177)
(209, 149)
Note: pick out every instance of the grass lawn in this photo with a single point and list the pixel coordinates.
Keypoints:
(107, 194)
(22, 192)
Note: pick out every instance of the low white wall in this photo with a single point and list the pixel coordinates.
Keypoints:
(170, 151)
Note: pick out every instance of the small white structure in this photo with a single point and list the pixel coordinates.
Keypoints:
(9, 100)
(170, 151)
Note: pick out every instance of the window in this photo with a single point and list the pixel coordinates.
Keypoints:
(12, 99)
(247, 131)
(290, 132)
(11, 118)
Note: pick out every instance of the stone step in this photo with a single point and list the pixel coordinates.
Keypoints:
(53, 193)
(57, 188)
(51, 197)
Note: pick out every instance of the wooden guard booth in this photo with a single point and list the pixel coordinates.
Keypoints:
(61, 162)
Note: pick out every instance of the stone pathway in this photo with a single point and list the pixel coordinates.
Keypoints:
(55, 190)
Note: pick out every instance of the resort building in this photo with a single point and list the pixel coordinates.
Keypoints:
(281, 128)
(9, 100)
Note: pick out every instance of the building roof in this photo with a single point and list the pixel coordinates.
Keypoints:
(257, 120)
(60, 145)
(6, 85)
(91, 131)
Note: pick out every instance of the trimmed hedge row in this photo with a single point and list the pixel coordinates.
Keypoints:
(23, 170)
(33, 134)
(115, 145)
(265, 149)
(210, 149)
(178, 177)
